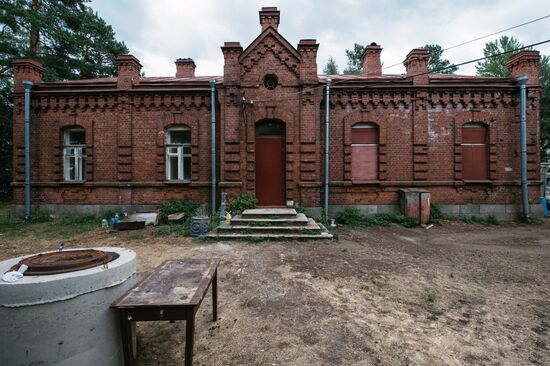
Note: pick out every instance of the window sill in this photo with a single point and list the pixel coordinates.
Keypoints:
(72, 182)
(484, 181)
(365, 182)
(177, 182)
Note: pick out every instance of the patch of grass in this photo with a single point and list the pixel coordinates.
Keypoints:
(351, 216)
(436, 215)
(435, 314)
(136, 236)
(429, 296)
(492, 220)
(487, 221)
(214, 221)
(40, 216)
(204, 239)
(164, 230)
(467, 219)
(254, 239)
(364, 287)
(43, 225)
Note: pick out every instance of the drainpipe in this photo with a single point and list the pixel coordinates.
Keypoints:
(27, 85)
(213, 106)
(522, 80)
(327, 111)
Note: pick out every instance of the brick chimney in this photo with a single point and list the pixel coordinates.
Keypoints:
(269, 17)
(308, 67)
(231, 67)
(416, 64)
(128, 71)
(525, 63)
(26, 69)
(371, 60)
(185, 68)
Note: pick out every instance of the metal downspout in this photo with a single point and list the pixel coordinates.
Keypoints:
(213, 108)
(27, 85)
(522, 80)
(327, 113)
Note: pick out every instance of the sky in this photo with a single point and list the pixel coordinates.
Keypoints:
(158, 32)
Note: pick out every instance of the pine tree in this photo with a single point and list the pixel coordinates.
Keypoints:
(354, 59)
(496, 66)
(66, 36)
(438, 64)
(331, 68)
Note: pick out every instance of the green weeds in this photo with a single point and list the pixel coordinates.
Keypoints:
(351, 216)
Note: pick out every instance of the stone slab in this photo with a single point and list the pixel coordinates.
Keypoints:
(269, 213)
(324, 235)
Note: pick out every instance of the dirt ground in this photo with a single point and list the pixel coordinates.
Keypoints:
(456, 294)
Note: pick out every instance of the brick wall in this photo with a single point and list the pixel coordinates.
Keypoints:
(419, 119)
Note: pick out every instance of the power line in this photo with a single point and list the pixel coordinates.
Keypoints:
(482, 37)
(495, 33)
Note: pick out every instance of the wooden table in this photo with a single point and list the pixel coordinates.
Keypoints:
(174, 291)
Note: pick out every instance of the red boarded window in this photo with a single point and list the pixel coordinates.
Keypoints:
(364, 152)
(475, 153)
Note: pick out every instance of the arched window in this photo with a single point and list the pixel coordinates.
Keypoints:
(475, 154)
(178, 153)
(74, 154)
(364, 152)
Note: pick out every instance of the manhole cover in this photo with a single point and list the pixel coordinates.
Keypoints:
(67, 261)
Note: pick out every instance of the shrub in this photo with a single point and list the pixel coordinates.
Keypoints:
(244, 201)
(492, 220)
(40, 216)
(184, 206)
(386, 219)
(350, 216)
(436, 214)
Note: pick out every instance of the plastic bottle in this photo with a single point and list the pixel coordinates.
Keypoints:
(104, 222)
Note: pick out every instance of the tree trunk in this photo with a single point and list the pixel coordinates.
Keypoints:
(35, 34)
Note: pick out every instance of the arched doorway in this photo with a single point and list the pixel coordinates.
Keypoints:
(270, 163)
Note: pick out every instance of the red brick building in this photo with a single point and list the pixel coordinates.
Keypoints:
(132, 141)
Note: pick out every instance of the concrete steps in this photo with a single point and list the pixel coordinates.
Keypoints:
(270, 223)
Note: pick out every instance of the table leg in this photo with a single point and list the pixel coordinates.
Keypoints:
(215, 296)
(126, 332)
(189, 338)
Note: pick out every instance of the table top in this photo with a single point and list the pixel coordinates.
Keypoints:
(175, 283)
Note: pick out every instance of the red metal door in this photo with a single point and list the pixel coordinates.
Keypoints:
(270, 170)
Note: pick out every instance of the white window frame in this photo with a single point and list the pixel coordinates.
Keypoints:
(74, 157)
(178, 150)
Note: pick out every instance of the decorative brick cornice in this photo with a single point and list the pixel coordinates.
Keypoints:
(278, 49)
(429, 99)
(105, 102)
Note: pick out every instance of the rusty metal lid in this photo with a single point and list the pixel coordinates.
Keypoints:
(65, 261)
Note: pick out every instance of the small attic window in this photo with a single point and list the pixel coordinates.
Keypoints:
(270, 81)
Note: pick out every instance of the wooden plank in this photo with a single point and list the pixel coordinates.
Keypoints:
(175, 283)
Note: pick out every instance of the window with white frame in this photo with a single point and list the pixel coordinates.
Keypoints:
(178, 153)
(74, 154)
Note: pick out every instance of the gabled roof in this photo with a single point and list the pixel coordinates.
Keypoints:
(267, 32)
